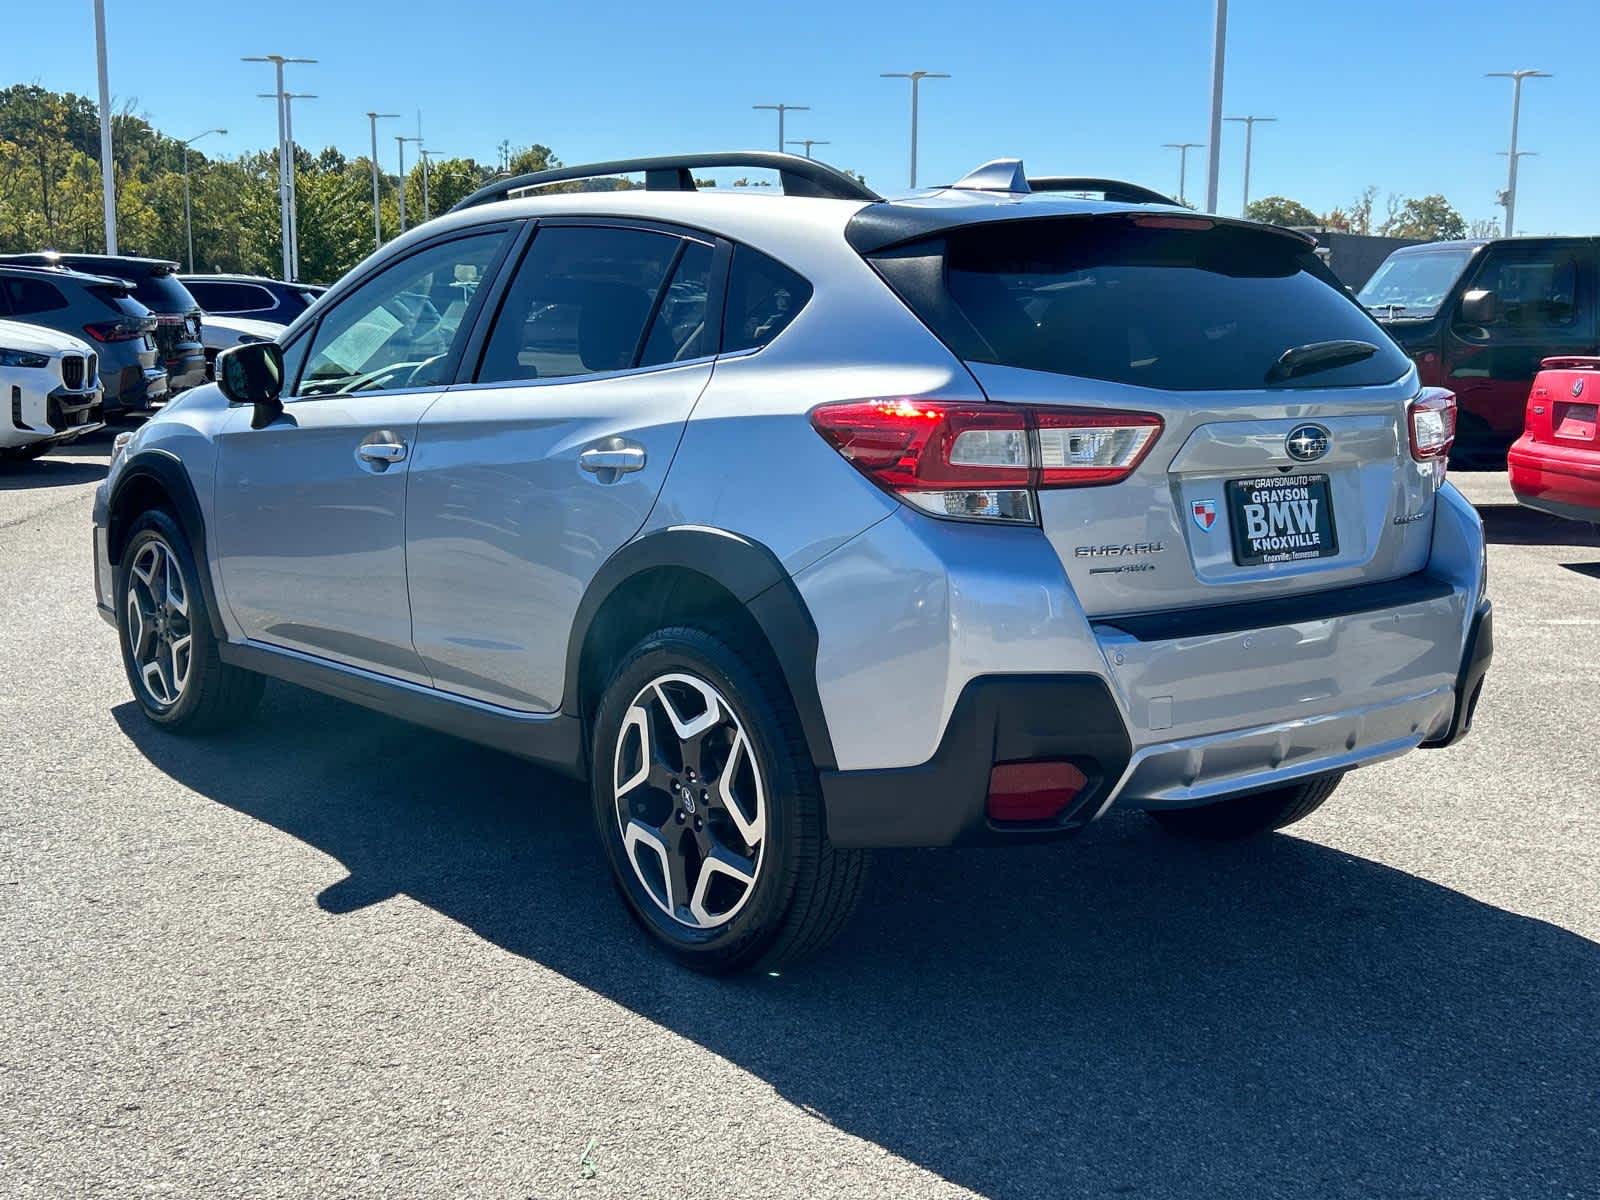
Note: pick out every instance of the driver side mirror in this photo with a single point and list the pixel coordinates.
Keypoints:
(253, 374)
(1479, 307)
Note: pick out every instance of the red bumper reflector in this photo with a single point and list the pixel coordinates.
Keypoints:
(1033, 791)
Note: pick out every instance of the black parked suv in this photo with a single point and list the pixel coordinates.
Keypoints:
(254, 296)
(103, 312)
(156, 286)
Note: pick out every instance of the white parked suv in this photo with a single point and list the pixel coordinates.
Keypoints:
(49, 390)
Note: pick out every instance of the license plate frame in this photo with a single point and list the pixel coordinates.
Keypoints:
(1281, 543)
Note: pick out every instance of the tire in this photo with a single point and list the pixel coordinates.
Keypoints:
(672, 791)
(1249, 815)
(168, 650)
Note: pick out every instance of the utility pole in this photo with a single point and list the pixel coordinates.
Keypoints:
(287, 100)
(188, 219)
(1249, 124)
(808, 143)
(1183, 149)
(108, 166)
(377, 218)
(780, 109)
(285, 158)
(400, 141)
(1514, 154)
(1219, 54)
(916, 78)
(427, 166)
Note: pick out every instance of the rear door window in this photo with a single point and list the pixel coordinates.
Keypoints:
(1536, 288)
(764, 296)
(580, 302)
(220, 296)
(1185, 309)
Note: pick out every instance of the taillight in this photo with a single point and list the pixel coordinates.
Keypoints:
(1431, 419)
(114, 331)
(984, 461)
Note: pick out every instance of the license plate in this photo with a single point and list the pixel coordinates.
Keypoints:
(1281, 518)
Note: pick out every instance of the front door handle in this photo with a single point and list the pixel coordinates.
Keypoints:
(609, 462)
(381, 449)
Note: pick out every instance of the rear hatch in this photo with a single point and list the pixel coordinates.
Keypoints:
(1564, 404)
(1271, 476)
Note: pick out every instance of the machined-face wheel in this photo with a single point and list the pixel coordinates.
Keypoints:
(159, 636)
(690, 801)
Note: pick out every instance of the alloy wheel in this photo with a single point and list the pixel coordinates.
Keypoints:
(158, 630)
(690, 801)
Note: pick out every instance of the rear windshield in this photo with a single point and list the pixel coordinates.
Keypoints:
(164, 294)
(1414, 283)
(1103, 298)
(118, 300)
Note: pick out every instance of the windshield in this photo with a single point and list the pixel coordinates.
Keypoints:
(1413, 284)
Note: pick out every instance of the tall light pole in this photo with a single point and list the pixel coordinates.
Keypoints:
(1183, 149)
(427, 165)
(108, 178)
(1514, 154)
(400, 141)
(1249, 124)
(188, 219)
(780, 109)
(1219, 54)
(285, 165)
(287, 100)
(916, 78)
(808, 143)
(377, 220)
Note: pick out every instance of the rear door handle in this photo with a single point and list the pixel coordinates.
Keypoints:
(612, 461)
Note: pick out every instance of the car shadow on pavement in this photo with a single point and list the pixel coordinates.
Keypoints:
(1515, 525)
(1122, 1015)
(47, 472)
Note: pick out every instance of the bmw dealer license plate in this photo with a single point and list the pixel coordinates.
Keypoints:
(1281, 518)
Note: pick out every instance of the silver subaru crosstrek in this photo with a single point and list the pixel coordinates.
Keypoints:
(809, 523)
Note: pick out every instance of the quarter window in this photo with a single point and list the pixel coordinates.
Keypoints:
(218, 296)
(581, 299)
(764, 296)
(28, 296)
(401, 328)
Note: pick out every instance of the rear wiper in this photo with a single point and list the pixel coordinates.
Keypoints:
(1319, 356)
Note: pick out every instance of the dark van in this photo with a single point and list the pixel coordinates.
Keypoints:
(1479, 316)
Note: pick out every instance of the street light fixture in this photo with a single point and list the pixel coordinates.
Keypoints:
(1514, 154)
(808, 143)
(916, 78)
(1183, 149)
(400, 141)
(1249, 124)
(377, 220)
(285, 172)
(780, 109)
(188, 219)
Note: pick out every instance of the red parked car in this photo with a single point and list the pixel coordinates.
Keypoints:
(1555, 464)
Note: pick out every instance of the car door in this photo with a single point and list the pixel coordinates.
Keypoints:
(1544, 294)
(533, 471)
(310, 510)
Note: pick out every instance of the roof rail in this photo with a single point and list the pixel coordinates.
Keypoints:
(1116, 190)
(675, 173)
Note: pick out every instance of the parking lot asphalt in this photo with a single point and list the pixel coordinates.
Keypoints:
(334, 955)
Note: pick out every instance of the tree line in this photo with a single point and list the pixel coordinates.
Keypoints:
(50, 195)
(1425, 218)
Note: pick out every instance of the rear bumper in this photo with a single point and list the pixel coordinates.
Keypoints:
(135, 387)
(1563, 480)
(187, 369)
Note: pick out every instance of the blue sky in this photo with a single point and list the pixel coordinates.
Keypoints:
(1385, 93)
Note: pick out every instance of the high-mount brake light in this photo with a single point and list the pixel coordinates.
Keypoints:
(1179, 222)
(1431, 423)
(984, 461)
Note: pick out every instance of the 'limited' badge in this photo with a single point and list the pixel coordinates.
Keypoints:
(1205, 513)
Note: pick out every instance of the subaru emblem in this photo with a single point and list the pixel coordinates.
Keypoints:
(1307, 443)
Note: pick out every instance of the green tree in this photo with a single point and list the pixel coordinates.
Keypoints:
(1431, 218)
(1280, 210)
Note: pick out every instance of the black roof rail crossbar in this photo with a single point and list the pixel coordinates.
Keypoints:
(1116, 190)
(675, 173)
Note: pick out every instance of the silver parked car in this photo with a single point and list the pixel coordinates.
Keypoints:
(805, 524)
